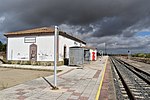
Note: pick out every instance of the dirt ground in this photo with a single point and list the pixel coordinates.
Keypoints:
(11, 77)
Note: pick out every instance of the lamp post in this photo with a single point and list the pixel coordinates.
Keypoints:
(105, 49)
(55, 57)
(101, 52)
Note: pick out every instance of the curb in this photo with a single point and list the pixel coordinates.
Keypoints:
(100, 86)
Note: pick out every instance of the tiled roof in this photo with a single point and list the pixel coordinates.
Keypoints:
(32, 31)
(41, 31)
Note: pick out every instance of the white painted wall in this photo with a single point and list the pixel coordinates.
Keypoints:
(45, 48)
(91, 50)
(19, 50)
(63, 41)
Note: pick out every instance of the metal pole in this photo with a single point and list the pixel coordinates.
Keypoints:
(128, 54)
(55, 56)
(105, 48)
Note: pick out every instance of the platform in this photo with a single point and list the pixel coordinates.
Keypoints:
(73, 83)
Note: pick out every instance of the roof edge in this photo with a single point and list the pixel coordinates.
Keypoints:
(41, 31)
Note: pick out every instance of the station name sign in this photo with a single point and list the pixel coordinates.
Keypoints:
(30, 39)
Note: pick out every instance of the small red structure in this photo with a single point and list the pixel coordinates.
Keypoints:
(93, 56)
(92, 53)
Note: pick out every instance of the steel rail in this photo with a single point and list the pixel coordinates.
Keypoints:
(140, 76)
(129, 93)
(137, 69)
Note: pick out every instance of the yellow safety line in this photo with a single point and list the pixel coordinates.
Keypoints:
(100, 86)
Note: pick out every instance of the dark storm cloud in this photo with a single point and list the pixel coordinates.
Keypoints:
(120, 14)
(97, 19)
(85, 29)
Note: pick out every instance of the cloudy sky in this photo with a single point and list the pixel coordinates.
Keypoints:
(120, 24)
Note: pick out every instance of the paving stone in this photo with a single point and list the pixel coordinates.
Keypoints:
(76, 93)
(74, 97)
(83, 98)
(70, 90)
(21, 93)
(21, 97)
(20, 90)
(73, 84)
(65, 96)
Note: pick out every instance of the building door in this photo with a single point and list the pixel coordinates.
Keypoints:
(33, 52)
(86, 55)
(64, 52)
(65, 59)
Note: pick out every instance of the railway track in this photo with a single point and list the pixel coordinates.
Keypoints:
(130, 83)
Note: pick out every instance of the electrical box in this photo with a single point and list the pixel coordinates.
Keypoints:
(76, 56)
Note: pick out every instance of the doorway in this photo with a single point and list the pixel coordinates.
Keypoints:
(65, 59)
(64, 52)
(33, 52)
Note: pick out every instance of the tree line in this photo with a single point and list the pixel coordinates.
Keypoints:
(143, 55)
(3, 47)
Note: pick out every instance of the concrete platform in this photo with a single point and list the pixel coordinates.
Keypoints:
(73, 83)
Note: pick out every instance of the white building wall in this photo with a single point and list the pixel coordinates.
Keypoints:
(19, 50)
(45, 48)
(95, 54)
(91, 50)
(63, 41)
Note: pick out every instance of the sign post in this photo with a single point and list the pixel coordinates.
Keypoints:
(128, 54)
(55, 57)
(101, 53)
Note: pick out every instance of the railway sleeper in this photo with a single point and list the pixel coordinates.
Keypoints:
(134, 87)
(139, 97)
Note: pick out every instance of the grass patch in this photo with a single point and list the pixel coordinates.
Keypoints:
(3, 85)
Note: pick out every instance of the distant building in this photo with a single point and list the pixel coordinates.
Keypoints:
(80, 55)
(38, 45)
(92, 53)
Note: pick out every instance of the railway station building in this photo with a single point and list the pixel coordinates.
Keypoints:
(37, 45)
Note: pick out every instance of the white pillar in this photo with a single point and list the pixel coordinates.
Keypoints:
(55, 56)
